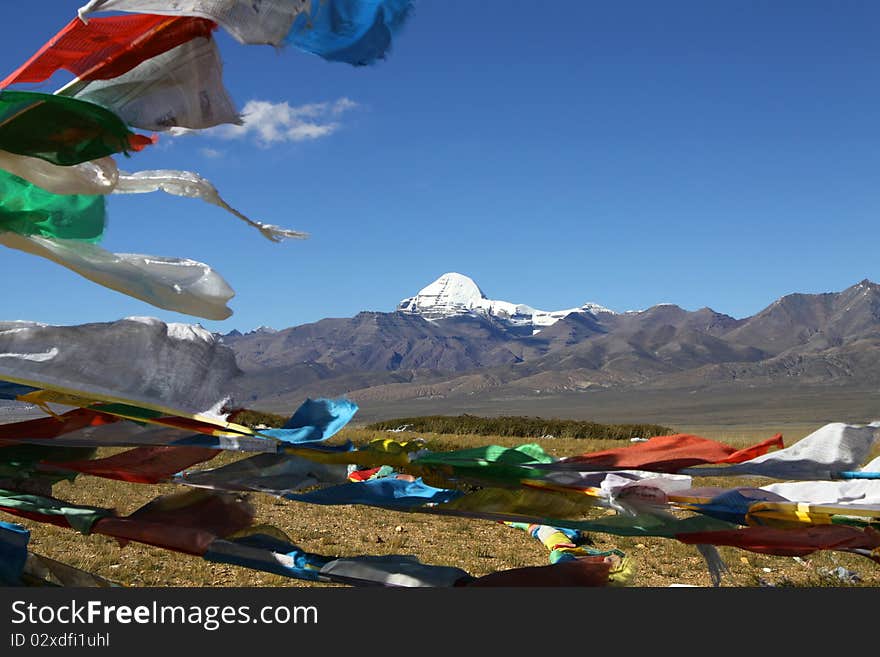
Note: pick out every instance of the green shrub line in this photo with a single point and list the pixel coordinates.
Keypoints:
(520, 426)
(254, 419)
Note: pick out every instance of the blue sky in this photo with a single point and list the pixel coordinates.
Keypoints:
(718, 154)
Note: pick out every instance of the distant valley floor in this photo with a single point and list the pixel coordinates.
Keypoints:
(716, 406)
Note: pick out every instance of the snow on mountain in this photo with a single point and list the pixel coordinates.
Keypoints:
(455, 294)
(260, 330)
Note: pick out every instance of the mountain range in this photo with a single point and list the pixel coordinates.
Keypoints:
(450, 348)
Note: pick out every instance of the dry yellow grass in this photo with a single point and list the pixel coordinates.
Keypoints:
(477, 546)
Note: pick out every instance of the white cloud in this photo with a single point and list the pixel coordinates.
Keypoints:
(343, 105)
(271, 123)
(211, 152)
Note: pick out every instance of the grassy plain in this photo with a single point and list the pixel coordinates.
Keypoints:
(477, 546)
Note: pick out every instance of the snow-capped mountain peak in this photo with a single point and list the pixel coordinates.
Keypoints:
(451, 294)
(455, 294)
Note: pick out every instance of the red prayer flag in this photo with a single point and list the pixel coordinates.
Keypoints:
(671, 454)
(142, 465)
(52, 427)
(189, 540)
(363, 475)
(36, 516)
(187, 522)
(792, 542)
(107, 47)
(584, 571)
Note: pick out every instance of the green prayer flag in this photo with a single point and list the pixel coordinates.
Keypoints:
(20, 462)
(78, 516)
(30, 210)
(62, 130)
(491, 462)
